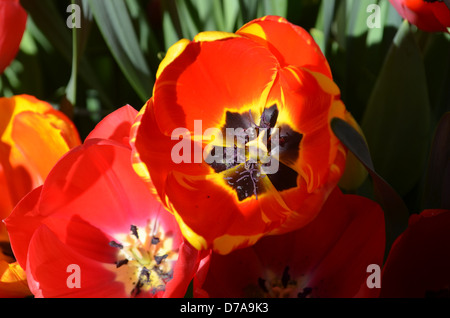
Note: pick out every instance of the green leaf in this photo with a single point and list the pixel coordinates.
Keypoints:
(171, 23)
(79, 40)
(322, 30)
(50, 30)
(190, 290)
(395, 211)
(231, 14)
(437, 185)
(396, 122)
(115, 24)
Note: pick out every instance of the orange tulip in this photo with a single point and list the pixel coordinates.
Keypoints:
(268, 82)
(33, 138)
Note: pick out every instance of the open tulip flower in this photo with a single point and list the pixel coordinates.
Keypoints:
(331, 258)
(236, 138)
(94, 229)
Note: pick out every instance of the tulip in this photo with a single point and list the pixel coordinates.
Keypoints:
(94, 229)
(271, 87)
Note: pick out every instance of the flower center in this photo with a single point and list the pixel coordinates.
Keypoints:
(285, 287)
(259, 150)
(145, 260)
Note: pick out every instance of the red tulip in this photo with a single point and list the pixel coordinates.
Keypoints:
(95, 230)
(327, 258)
(13, 20)
(419, 260)
(429, 16)
(267, 81)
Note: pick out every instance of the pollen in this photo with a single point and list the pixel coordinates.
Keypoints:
(145, 259)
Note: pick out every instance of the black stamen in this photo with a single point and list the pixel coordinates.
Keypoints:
(134, 231)
(115, 244)
(137, 289)
(159, 259)
(262, 284)
(286, 277)
(155, 240)
(121, 262)
(145, 272)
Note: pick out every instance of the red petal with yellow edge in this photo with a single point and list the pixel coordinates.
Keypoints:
(196, 199)
(308, 102)
(307, 204)
(291, 44)
(208, 78)
(157, 158)
(194, 191)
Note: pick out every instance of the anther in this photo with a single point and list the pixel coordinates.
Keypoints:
(155, 240)
(121, 262)
(159, 259)
(115, 244)
(286, 277)
(134, 231)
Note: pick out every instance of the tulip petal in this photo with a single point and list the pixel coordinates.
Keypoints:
(328, 257)
(418, 262)
(32, 134)
(188, 91)
(116, 126)
(421, 13)
(22, 223)
(13, 19)
(98, 168)
(309, 100)
(48, 270)
(291, 44)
